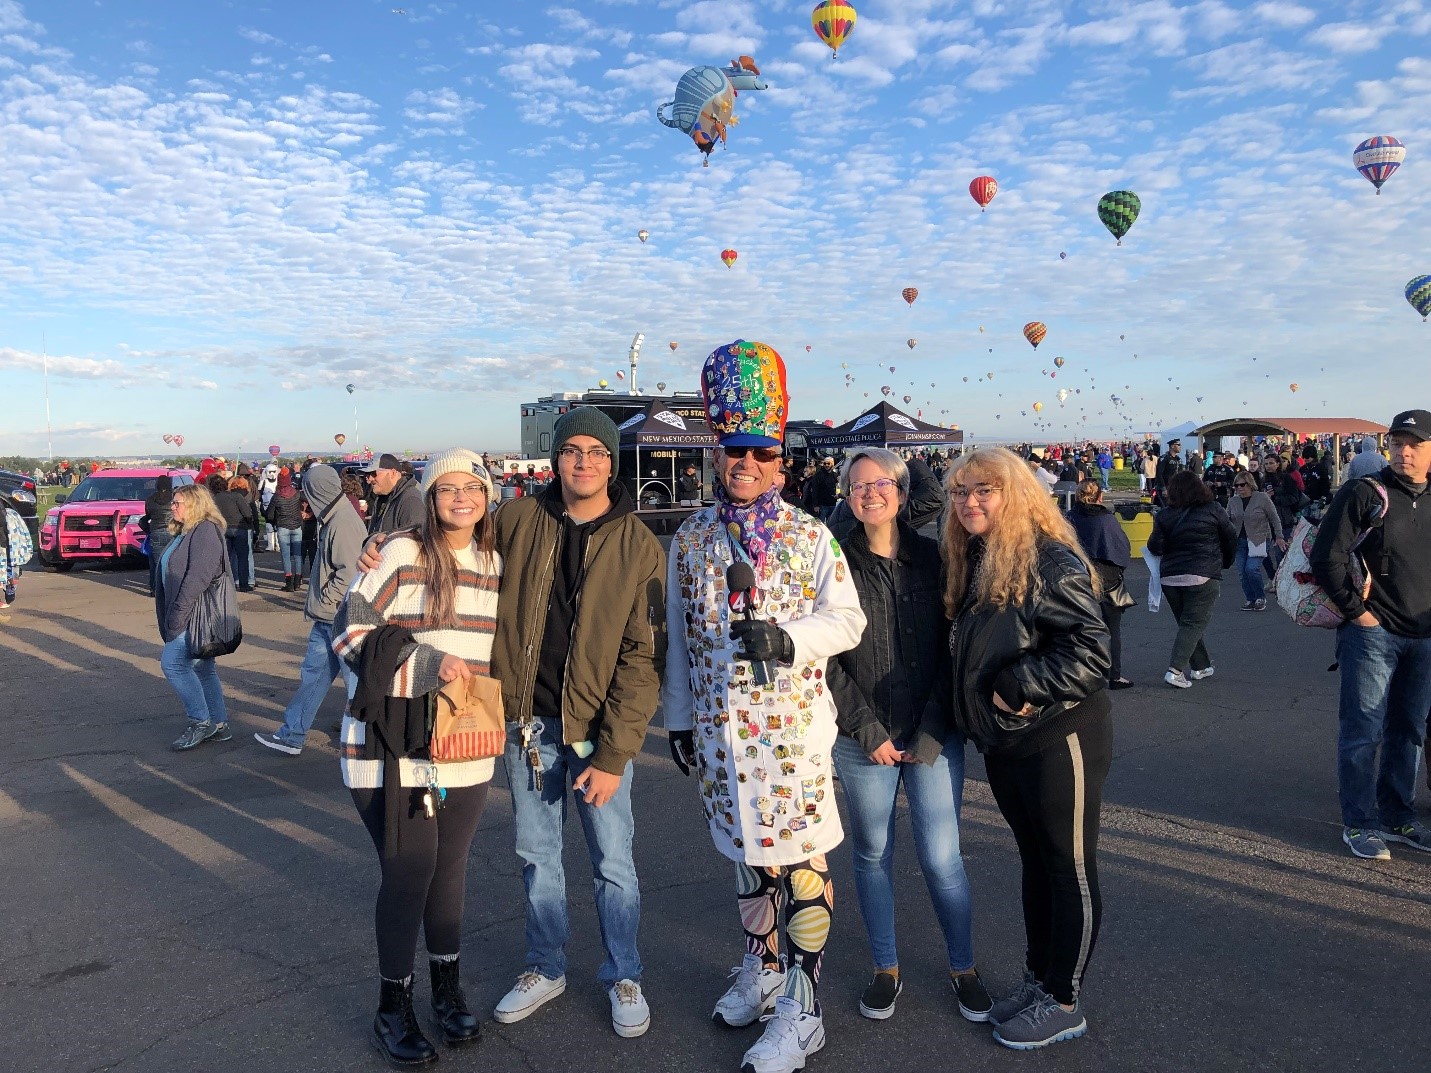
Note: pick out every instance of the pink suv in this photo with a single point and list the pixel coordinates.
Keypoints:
(99, 520)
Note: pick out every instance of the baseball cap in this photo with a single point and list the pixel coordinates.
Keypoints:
(1414, 423)
(383, 461)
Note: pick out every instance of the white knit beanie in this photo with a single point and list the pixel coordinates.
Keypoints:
(456, 460)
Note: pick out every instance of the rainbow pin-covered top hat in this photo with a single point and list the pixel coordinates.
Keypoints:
(746, 399)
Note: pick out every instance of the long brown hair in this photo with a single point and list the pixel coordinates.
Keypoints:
(438, 563)
(1029, 514)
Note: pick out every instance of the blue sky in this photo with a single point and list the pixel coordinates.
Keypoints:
(219, 215)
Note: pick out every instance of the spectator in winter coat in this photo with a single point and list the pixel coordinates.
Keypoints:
(1259, 530)
(285, 514)
(397, 502)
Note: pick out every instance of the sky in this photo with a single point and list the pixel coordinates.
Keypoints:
(214, 217)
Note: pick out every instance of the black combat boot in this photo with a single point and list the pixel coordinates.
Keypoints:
(458, 1024)
(395, 1030)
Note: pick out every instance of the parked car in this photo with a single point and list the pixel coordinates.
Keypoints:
(99, 520)
(17, 491)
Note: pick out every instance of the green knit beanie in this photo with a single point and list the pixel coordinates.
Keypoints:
(586, 421)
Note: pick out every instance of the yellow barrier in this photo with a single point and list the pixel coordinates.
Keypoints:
(1138, 531)
(1117, 461)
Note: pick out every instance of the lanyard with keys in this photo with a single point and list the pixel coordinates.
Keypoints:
(531, 733)
(435, 796)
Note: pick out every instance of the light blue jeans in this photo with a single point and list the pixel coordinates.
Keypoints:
(195, 680)
(290, 544)
(320, 666)
(538, 817)
(1250, 571)
(935, 794)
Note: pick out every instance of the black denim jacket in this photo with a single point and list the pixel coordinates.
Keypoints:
(876, 699)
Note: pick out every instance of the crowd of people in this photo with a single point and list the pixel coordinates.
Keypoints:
(802, 629)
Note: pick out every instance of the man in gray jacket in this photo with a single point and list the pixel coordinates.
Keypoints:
(340, 542)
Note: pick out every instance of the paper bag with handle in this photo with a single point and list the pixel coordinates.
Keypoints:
(469, 722)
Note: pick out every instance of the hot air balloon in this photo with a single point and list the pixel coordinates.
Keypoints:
(352, 388)
(661, 385)
(891, 369)
(1058, 362)
(274, 450)
(729, 257)
(643, 234)
(909, 294)
(989, 375)
(1378, 158)
(908, 398)
(1063, 256)
(1118, 209)
(340, 439)
(834, 21)
(620, 375)
(178, 440)
(885, 390)
(1062, 395)
(602, 383)
(911, 343)
(808, 349)
(705, 101)
(1294, 387)
(1038, 407)
(1418, 293)
(673, 344)
(1034, 331)
(168, 437)
(966, 379)
(983, 190)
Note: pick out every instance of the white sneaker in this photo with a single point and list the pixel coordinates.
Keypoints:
(791, 1035)
(752, 994)
(1177, 680)
(1198, 676)
(630, 1016)
(531, 991)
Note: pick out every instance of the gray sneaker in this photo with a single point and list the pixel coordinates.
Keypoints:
(1414, 834)
(221, 733)
(1041, 1023)
(1017, 1000)
(195, 734)
(1366, 844)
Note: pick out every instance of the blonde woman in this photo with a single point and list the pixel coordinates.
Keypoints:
(189, 565)
(1030, 664)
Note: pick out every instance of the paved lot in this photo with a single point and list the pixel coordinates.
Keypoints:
(212, 910)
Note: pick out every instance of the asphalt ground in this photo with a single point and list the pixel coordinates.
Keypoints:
(212, 910)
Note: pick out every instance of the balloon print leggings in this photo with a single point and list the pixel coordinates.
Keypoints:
(807, 896)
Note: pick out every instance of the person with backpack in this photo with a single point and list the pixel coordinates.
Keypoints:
(1370, 558)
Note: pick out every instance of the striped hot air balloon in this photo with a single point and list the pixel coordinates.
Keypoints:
(1378, 158)
(1118, 209)
(909, 294)
(1034, 331)
(834, 21)
(728, 256)
(983, 190)
(1418, 293)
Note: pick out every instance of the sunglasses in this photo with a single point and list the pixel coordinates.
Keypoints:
(762, 454)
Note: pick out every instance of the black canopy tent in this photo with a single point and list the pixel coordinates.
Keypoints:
(883, 425)
(660, 428)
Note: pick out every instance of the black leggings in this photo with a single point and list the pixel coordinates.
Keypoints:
(1113, 619)
(425, 884)
(1051, 801)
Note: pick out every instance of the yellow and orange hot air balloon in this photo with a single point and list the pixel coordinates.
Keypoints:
(834, 21)
(728, 256)
(1034, 331)
(1038, 407)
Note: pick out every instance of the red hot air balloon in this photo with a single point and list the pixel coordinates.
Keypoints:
(728, 256)
(178, 440)
(1034, 331)
(909, 294)
(983, 190)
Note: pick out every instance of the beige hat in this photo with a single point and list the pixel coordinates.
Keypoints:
(456, 460)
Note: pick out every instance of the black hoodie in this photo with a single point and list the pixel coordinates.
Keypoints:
(1394, 552)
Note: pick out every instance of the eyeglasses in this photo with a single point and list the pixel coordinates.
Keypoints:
(983, 492)
(1241, 484)
(762, 454)
(576, 454)
(881, 486)
(449, 491)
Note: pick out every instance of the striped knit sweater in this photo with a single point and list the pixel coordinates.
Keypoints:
(394, 594)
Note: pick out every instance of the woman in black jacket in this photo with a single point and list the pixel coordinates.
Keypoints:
(155, 524)
(285, 514)
(1107, 547)
(241, 520)
(893, 730)
(1197, 542)
(1030, 664)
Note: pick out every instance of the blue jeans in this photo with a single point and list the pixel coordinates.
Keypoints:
(538, 818)
(240, 543)
(290, 545)
(935, 794)
(1385, 695)
(1250, 571)
(320, 666)
(1103, 476)
(195, 680)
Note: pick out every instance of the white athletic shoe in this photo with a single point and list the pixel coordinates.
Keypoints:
(630, 1016)
(1198, 676)
(531, 991)
(752, 994)
(791, 1035)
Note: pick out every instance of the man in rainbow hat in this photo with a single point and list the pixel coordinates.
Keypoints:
(758, 599)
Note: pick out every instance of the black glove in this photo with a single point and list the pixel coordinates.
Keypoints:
(683, 748)
(763, 642)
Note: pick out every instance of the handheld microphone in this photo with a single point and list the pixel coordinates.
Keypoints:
(740, 578)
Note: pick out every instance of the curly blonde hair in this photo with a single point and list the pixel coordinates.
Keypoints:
(1027, 515)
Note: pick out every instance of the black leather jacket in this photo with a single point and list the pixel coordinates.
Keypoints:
(903, 601)
(1050, 652)
(1197, 540)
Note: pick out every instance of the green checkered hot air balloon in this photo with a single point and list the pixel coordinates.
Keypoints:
(1118, 209)
(1418, 293)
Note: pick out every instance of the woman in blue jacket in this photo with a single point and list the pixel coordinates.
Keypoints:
(190, 564)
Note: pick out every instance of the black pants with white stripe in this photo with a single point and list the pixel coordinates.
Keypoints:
(1051, 801)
